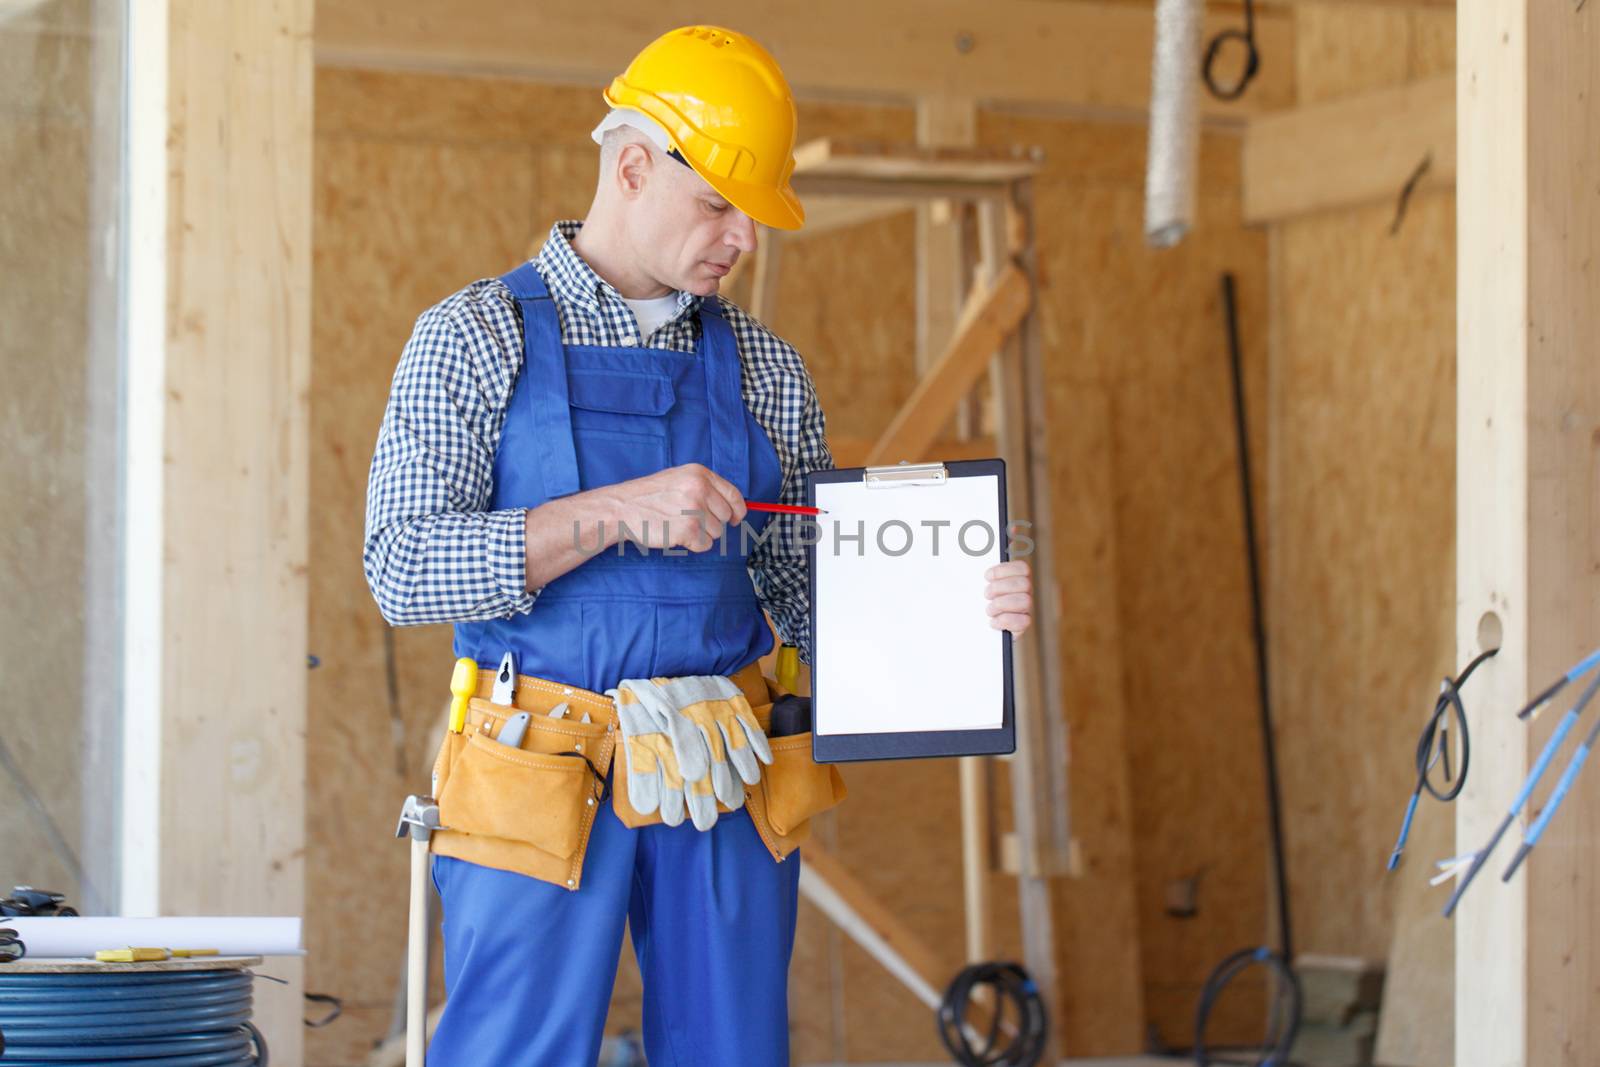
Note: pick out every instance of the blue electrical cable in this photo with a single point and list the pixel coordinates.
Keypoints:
(1583, 667)
(149, 1018)
(1563, 787)
(1540, 766)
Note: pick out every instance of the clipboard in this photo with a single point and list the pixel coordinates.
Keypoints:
(904, 662)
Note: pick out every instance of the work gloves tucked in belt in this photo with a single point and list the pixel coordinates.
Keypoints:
(685, 740)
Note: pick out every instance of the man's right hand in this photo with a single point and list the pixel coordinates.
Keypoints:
(681, 507)
(688, 506)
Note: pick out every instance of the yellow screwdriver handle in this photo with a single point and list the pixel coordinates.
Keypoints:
(463, 683)
(788, 667)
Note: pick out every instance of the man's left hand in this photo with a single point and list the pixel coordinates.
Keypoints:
(1010, 595)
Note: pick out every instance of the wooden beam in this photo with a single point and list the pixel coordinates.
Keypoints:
(1349, 151)
(946, 151)
(990, 316)
(824, 214)
(828, 884)
(1080, 56)
(947, 131)
(1528, 527)
(219, 351)
(810, 186)
(1022, 427)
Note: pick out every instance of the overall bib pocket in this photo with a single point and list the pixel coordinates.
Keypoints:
(619, 424)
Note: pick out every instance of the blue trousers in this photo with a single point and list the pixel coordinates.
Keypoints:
(529, 966)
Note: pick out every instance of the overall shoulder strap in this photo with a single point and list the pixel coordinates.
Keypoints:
(526, 283)
(544, 363)
(719, 352)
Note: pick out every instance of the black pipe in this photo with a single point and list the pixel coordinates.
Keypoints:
(1247, 492)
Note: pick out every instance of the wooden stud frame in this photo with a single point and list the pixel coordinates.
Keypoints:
(997, 321)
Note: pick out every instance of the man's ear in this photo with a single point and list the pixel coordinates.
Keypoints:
(634, 165)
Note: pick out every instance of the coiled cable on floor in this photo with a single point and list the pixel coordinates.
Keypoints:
(1026, 1024)
(1283, 1017)
(151, 1018)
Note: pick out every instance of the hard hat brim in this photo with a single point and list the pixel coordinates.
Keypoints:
(779, 209)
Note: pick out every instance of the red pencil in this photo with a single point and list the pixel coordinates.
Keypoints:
(783, 509)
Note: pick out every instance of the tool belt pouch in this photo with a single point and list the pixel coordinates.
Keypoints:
(796, 787)
(528, 809)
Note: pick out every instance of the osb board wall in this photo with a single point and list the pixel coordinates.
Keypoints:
(1362, 525)
(1139, 334)
(57, 434)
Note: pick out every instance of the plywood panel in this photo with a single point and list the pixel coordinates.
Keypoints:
(1144, 330)
(1433, 43)
(1096, 912)
(1346, 48)
(1415, 1019)
(400, 223)
(1363, 511)
(385, 250)
(1361, 520)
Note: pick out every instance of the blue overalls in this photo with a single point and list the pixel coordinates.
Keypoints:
(529, 966)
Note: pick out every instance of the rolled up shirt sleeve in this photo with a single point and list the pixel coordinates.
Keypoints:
(434, 551)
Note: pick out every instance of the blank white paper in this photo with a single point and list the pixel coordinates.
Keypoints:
(903, 641)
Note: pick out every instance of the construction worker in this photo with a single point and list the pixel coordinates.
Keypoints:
(605, 383)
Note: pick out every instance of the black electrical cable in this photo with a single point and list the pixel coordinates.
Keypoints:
(1257, 623)
(1433, 744)
(1433, 749)
(1029, 1022)
(1252, 57)
(1284, 1019)
(149, 1018)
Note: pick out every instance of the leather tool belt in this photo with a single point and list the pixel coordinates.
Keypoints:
(530, 809)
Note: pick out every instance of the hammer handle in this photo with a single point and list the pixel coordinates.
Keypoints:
(417, 957)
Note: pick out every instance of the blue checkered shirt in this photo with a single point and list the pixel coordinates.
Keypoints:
(435, 552)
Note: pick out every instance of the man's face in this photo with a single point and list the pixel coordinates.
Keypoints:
(684, 233)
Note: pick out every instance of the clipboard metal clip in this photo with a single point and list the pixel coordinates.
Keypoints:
(905, 474)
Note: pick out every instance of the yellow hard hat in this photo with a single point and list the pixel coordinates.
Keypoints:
(722, 99)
